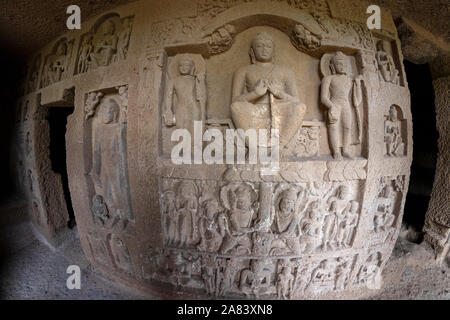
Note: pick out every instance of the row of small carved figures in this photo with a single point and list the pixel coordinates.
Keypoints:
(284, 278)
(298, 222)
(109, 44)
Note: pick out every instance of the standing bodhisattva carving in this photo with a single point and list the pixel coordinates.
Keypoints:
(342, 96)
(185, 99)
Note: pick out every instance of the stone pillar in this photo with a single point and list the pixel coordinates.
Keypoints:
(421, 46)
(437, 220)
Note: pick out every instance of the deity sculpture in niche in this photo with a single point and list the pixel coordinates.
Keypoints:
(393, 134)
(240, 200)
(185, 99)
(105, 47)
(386, 65)
(108, 170)
(265, 95)
(342, 96)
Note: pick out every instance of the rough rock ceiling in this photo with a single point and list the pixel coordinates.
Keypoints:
(433, 15)
(27, 25)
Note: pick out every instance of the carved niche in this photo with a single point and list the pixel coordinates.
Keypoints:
(395, 132)
(184, 95)
(107, 42)
(386, 57)
(386, 221)
(105, 133)
(56, 63)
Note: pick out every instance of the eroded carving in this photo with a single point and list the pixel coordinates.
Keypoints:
(185, 98)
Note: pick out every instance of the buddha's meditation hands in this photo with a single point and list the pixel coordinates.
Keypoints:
(276, 88)
(261, 87)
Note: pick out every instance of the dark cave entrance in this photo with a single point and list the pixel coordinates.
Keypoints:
(425, 136)
(57, 118)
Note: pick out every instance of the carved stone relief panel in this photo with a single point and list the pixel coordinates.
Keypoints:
(395, 132)
(227, 218)
(106, 153)
(282, 278)
(107, 42)
(56, 63)
(236, 230)
(308, 129)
